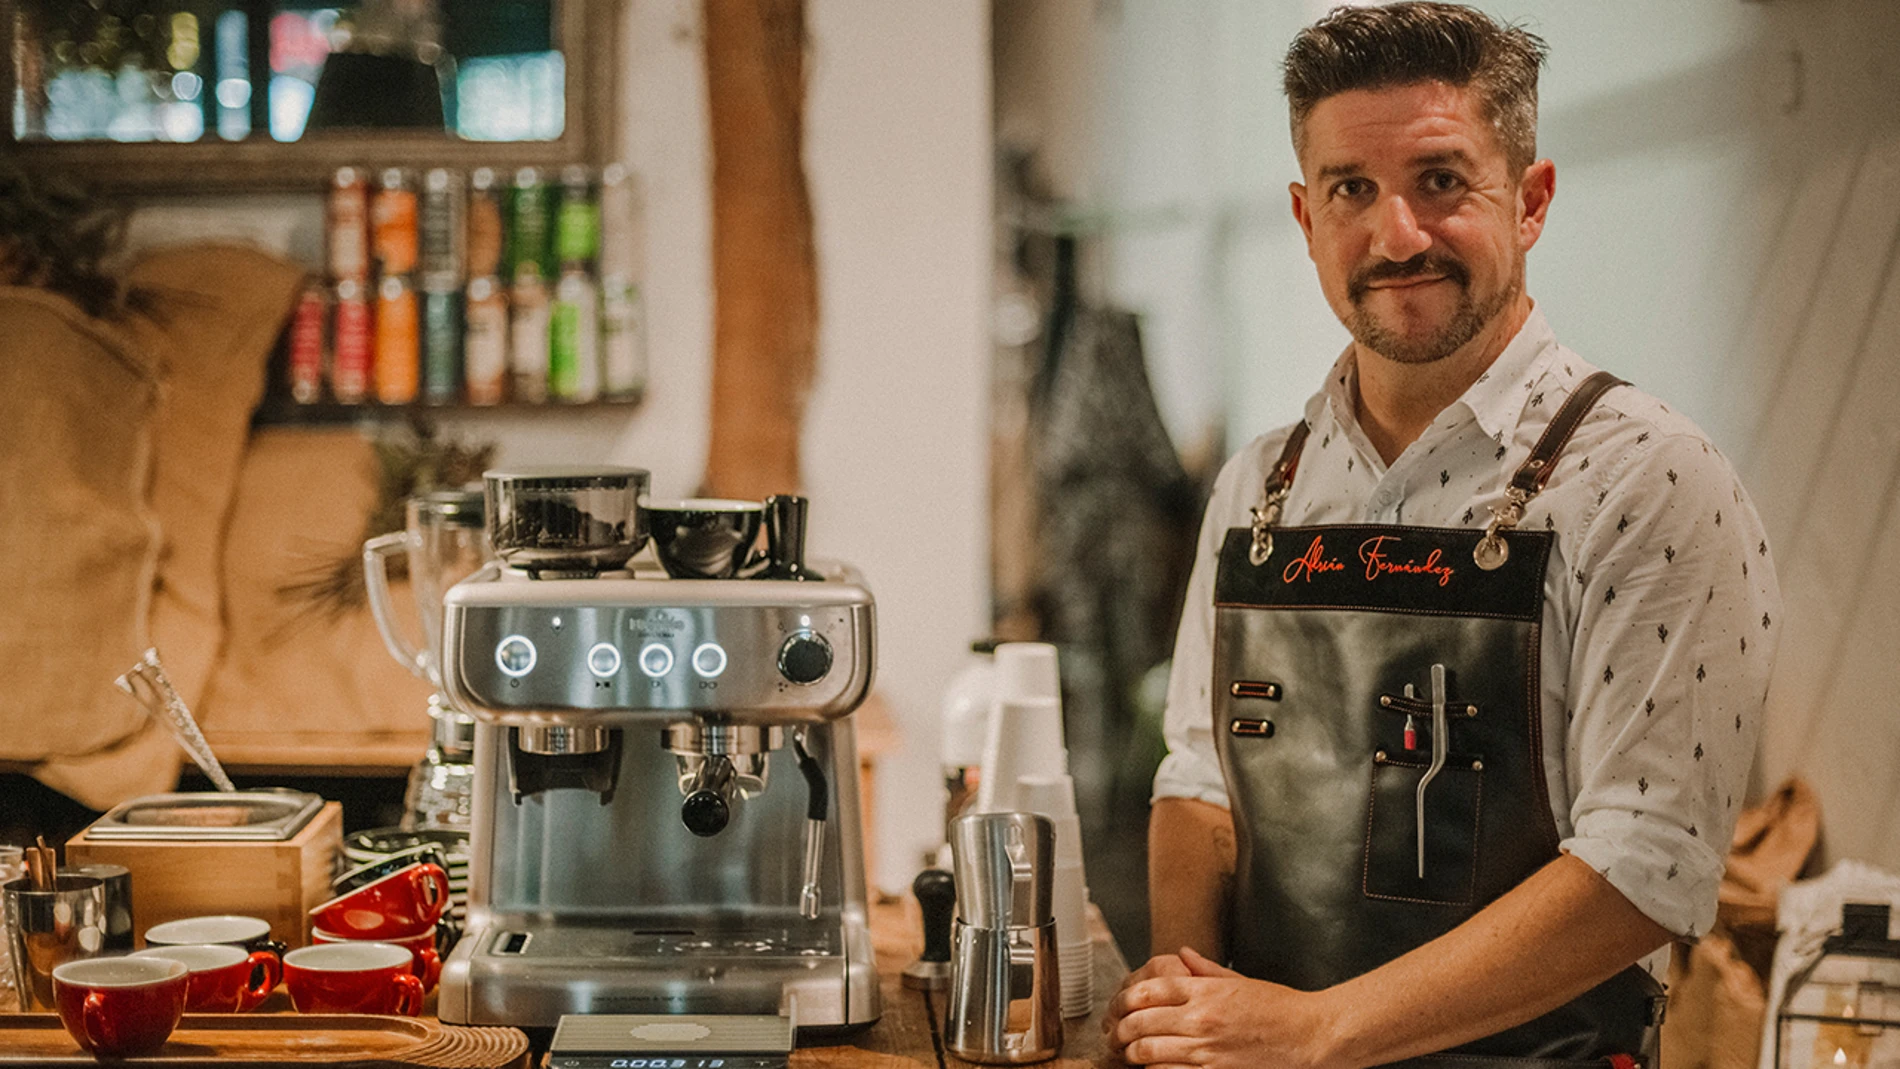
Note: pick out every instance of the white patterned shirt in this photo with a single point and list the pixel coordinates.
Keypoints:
(1661, 609)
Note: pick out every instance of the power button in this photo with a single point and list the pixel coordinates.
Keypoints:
(515, 656)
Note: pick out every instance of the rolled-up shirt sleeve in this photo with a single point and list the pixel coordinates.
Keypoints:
(1676, 633)
(1192, 767)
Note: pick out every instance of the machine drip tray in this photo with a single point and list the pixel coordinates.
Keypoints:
(575, 942)
(684, 1041)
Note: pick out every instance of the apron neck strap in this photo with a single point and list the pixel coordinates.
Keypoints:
(1273, 494)
(1491, 551)
(1536, 469)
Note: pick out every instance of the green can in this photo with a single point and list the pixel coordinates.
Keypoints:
(441, 346)
(530, 237)
(577, 222)
(574, 338)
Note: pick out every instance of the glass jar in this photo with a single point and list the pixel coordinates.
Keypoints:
(1843, 1012)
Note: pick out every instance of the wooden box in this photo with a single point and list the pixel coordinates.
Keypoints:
(279, 882)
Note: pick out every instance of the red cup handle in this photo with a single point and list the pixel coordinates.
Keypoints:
(430, 964)
(409, 998)
(269, 969)
(431, 887)
(99, 1031)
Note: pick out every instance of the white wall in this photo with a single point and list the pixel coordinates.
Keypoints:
(895, 448)
(1724, 234)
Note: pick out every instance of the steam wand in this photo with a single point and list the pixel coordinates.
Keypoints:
(815, 812)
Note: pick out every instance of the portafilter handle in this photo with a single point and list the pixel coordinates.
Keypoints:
(785, 538)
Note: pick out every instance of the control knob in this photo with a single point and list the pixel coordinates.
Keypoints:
(804, 658)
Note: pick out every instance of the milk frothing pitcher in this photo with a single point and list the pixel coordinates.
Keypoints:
(1005, 992)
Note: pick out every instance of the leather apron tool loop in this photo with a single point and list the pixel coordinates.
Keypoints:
(1356, 843)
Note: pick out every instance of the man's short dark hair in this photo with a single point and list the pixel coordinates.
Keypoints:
(1421, 41)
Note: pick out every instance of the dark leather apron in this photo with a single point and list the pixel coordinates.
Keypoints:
(1331, 645)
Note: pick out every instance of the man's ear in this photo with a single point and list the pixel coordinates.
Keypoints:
(1301, 214)
(1534, 193)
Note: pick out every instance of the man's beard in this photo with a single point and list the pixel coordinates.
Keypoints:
(1466, 321)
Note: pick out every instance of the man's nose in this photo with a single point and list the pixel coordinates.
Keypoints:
(1396, 234)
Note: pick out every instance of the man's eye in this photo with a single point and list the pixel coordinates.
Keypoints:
(1352, 188)
(1442, 182)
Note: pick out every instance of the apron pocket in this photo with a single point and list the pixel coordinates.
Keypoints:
(1453, 803)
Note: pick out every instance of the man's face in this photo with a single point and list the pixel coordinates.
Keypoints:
(1413, 218)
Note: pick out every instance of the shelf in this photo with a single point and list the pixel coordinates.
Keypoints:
(278, 411)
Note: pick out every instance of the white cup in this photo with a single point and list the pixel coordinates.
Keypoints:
(1025, 739)
(1027, 670)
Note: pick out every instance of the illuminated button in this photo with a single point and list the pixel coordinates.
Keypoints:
(515, 656)
(709, 660)
(603, 660)
(655, 660)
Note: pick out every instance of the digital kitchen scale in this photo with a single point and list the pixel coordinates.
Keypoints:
(671, 1041)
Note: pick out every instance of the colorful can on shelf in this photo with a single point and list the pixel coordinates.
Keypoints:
(530, 245)
(441, 345)
(352, 344)
(392, 213)
(574, 338)
(346, 225)
(623, 338)
(485, 342)
(398, 351)
(528, 338)
(577, 221)
(306, 345)
(442, 231)
(484, 224)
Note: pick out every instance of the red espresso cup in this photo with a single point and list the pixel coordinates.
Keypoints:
(224, 979)
(428, 961)
(404, 903)
(119, 1007)
(353, 977)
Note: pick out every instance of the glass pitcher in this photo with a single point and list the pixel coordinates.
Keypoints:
(444, 542)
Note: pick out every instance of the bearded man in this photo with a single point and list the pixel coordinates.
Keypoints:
(1468, 682)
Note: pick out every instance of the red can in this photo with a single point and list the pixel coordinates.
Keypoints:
(306, 346)
(353, 342)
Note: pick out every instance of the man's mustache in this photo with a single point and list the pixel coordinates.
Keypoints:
(1423, 265)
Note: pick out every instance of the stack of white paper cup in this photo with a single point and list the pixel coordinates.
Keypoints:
(1053, 796)
(1025, 728)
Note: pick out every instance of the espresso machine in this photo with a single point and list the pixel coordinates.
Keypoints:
(666, 815)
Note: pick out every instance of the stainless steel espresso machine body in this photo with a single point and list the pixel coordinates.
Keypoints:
(666, 816)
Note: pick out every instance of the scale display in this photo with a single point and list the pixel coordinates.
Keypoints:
(696, 1061)
(637, 1041)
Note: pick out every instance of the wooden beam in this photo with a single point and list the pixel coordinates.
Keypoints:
(765, 285)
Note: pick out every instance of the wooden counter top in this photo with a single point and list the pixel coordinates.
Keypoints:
(909, 1034)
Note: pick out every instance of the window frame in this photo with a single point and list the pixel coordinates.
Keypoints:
(591, 40)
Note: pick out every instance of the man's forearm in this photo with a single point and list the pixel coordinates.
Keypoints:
(1558, 934)
(1190, 871)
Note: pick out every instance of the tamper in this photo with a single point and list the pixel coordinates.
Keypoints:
(936, 893)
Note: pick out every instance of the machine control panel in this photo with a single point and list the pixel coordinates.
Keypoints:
(522, 650)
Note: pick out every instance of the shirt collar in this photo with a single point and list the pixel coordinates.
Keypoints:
(1495, 401)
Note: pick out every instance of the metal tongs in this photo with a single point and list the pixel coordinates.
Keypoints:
(1440, 745)
(147, 685)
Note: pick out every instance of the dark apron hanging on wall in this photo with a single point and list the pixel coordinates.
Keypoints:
(1377, 715)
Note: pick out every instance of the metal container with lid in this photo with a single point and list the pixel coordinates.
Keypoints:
(566, 520)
